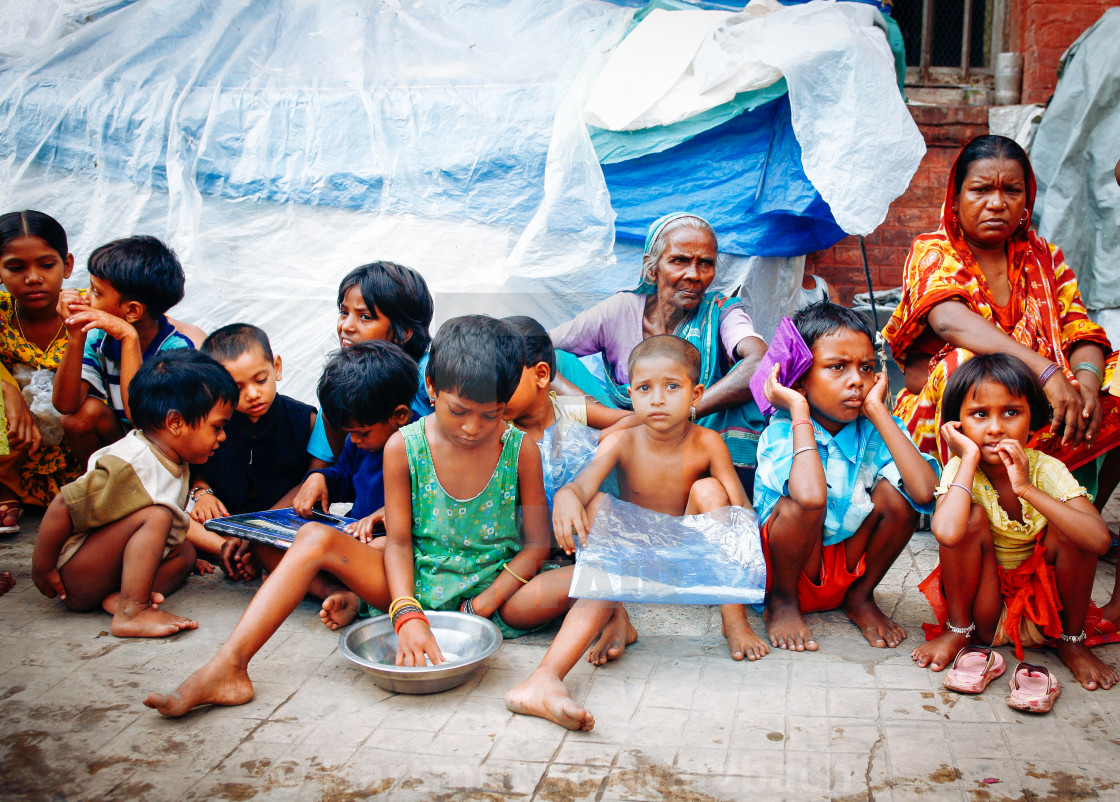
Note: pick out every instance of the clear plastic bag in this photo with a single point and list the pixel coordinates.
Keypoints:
(637, 555)
(38, 392)
(566, 449)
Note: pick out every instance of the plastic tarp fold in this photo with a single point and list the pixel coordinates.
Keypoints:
(1074, 155)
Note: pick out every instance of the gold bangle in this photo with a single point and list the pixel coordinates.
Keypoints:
(520, 579)
(402, 601)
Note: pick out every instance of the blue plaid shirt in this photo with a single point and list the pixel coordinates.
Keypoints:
(854, 461)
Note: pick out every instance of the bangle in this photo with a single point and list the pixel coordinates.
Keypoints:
(520, 579)
(803, 449)
(1044, 377)
(402, 600)
(965, 488)
(200, 491)
(1028, 487)
(1089, 366)
(401, 620)
(467, 607)
(799, 421)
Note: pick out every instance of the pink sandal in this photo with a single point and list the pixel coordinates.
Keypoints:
(973, 668)
(1033, 689)
(7, 508)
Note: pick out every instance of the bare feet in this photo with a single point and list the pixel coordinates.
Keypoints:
(110, 602)
(6, 582)
(741, 638)
(339, 609)
(875, 625)
(144, 621)
(786, 628)
(216, 683)
(1111, 611)
(1090, 671)
(938, 653)
(545, 696)
(616, 636)
(238, 561)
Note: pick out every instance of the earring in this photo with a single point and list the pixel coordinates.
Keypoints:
(1025, 218)
(692, 414)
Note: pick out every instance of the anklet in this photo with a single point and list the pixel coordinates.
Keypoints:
(520, 579)
(966, 631)
(1072, 638)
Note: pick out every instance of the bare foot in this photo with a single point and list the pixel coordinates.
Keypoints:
(938, 653)
(875, 625)
(6, 582)
(616, 636)
(1090, 671)
(339, 609)
(216, 683)
(144, 621)
(741, 638)
(786, 628)
(110, 602)
(1111, 611)
(545, 696)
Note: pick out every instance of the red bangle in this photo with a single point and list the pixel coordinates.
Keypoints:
(408, 617)
(799, 421)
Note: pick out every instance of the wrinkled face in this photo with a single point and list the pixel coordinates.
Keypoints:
(662, 392)
(32, 272)
(358, 323)
(991, 414)
(686, 269)
(466, 423)
(991, 202)
(256, 382)
(842, 374)
(196, 444)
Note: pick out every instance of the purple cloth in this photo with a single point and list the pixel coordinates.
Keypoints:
(614, 328)
(793, 357)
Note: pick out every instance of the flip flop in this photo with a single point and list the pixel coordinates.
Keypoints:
(6, 509)
(1033, 689)
(973, 668)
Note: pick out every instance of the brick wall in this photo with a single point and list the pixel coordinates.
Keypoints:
(1044, 29)
(918, 210)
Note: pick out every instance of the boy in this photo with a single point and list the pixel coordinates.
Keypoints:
(111, 330)
(264, 459)
(668, 465)
(832, 528)
(114, 538)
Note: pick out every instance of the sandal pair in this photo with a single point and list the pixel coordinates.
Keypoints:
(1033, 688)
(10, 507)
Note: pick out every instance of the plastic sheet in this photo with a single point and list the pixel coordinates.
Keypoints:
(636, 555)
(789, 352)
(566, 448)
(38, 391)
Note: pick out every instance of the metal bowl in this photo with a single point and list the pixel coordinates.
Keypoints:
(467, 642)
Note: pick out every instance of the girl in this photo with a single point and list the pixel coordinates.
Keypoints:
(1018, 541)
(454, 483)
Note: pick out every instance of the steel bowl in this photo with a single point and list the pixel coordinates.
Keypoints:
(467, 642)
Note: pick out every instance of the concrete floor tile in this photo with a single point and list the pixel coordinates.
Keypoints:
(1034, 737)
(917, 766)
(922, 793)
(623, 691)
(1055, 779)
(496, 682)
(807, 700)
(911, 705)
(657, 726)
(848, 773)
(849, 702)
(809, 669)
(807, 734)
(848, 674)
(765, 732)
(906, 675)
(806, 775)
(280, 732)
(709, 727)
(974, 772)
(701, 760)
(463, 745)
(852, 735)
(580, 752)
(668, 693)
(529, 749)
(978, 741)
(570, 782)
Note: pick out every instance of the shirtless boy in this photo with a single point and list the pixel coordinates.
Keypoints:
(666, 464)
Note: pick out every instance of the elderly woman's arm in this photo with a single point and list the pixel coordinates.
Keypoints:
(734, 389)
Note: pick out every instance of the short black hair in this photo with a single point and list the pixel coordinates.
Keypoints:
(30, 223)
(364, 384)
(230, 342)
(478, 357)
(989, 146)
(180, 380)
(687, 354)
(538, 345)
(399, 293)
(1005, 369)
(825, 317)
(141, 269)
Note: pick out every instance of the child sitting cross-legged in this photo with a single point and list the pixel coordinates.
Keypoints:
(1018, 539)
(839, 484)
(666, 464)
(263, 461)
(114, 538)
(454, 483)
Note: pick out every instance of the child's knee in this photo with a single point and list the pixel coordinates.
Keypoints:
(313, 540)
(707, 494)
(789, 514)
(90, 418)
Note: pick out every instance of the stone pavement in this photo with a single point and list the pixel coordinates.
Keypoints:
(676, 717)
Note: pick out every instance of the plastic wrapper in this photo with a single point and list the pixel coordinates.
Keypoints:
(789, 352)
(637, 555)
(566, 448)
(38, 392)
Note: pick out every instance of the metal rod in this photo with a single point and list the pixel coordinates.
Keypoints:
(927, 37)
(966, 40)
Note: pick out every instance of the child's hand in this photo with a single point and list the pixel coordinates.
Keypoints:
(313, 489)
(876, 399)
(414, 641)
(234, 559)
(86, 320)
(785, 398)
(23, 429)
(208, 506)
(958, 444)
(49, 583)
(1014, 458)
(363, 529)
(201, 567)
(69, 302)
(568, 516)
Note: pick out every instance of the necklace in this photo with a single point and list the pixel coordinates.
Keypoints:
(19, 325)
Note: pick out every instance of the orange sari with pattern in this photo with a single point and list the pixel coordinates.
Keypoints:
(1045, 313)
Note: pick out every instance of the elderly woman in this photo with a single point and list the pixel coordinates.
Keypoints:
(985, 283)
(672, 298)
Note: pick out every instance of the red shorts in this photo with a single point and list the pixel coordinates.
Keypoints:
(827, 592)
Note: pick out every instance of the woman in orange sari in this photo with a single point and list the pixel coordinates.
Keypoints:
(985, 283)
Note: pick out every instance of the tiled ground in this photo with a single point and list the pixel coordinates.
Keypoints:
(677, 719)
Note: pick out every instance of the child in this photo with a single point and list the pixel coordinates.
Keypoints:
(263, 461)
(379, 301)
(831, 527)
(463, 462)
(1017, 536)
(667, 464)
(114, 538)
(117, 325)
